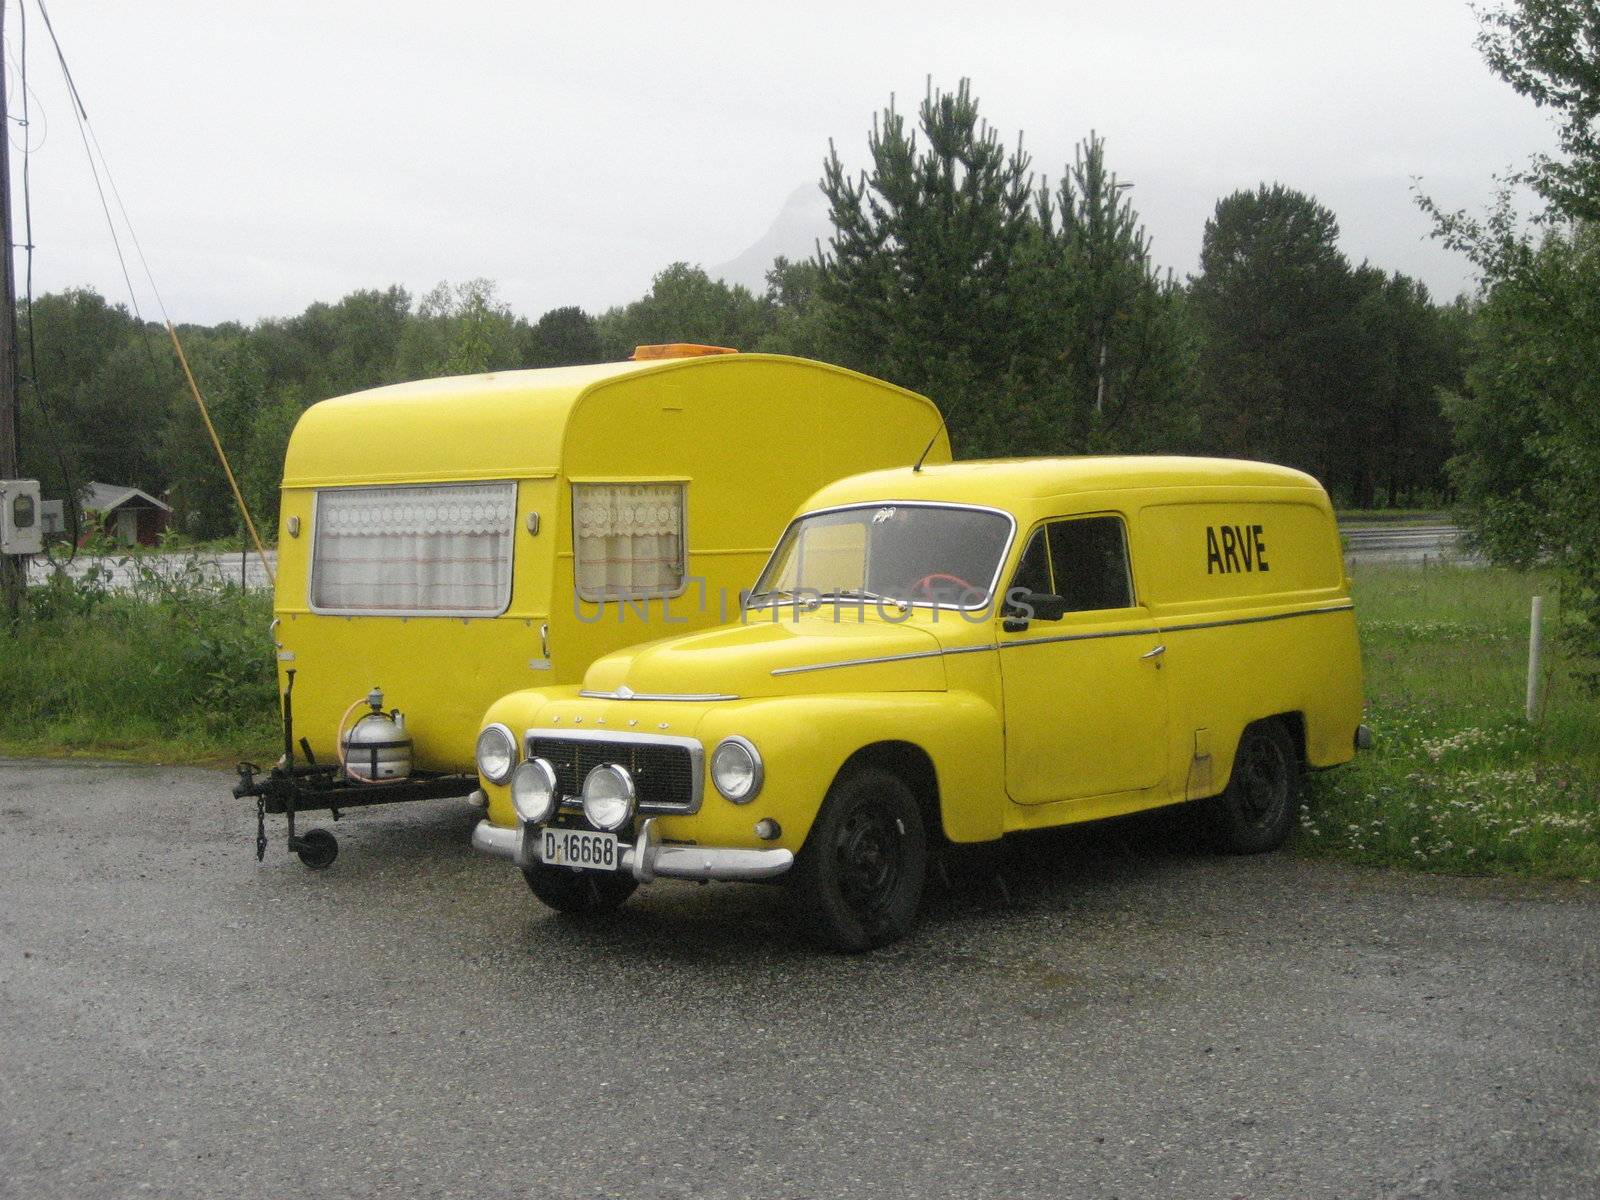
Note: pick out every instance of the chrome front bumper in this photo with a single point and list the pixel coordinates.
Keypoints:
(648, 859)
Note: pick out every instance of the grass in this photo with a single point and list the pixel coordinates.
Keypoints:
(178, 669)
(1458, 781)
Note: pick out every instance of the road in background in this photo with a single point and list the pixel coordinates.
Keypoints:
(1398, 542)
(1138, 1020)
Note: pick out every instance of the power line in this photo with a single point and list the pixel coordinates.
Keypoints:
(81, 115)
(57, 438)
(85, 124)
(86, 133)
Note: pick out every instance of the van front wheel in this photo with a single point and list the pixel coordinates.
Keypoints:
(579, 893)
(1255, 812)
(858, 880)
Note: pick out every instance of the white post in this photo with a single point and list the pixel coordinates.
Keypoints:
(1535, 647)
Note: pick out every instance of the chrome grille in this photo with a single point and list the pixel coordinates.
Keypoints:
(666, 771)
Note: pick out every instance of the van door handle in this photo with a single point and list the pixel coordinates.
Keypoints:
(1153, 654)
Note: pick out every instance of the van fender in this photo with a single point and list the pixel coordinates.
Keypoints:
(806, 741)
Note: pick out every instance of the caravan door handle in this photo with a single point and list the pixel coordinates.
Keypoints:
(1153, 654)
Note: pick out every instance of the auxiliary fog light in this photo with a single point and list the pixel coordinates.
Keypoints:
(608, 797)
(497, 753)
(736, 769)
(533, 791)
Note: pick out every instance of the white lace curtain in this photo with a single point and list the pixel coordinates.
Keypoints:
(628, 539)
(437, 549)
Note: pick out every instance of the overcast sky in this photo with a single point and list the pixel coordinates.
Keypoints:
(275, 154)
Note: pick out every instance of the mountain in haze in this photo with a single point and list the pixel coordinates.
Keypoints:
(793, 234)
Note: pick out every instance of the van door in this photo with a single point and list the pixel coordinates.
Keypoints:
(1085, 696)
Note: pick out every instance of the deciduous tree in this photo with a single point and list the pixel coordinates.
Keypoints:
(1275, 305)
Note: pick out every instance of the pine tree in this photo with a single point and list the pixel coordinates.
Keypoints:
(921, 275)
(1110, 351)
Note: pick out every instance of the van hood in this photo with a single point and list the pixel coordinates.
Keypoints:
(760, 659)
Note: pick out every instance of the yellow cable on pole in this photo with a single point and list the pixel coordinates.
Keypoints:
(222, 457)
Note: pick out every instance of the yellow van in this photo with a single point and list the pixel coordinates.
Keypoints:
(445, 542)
(947, 656)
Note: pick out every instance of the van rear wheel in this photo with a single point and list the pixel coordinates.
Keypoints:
(579, 893)
(1256, 811)
(858, 881)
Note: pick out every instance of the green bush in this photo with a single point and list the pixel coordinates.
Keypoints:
(175, 664)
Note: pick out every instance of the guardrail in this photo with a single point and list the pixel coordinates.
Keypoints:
(120, 570)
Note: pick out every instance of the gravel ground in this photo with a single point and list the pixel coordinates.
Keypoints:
(1136, 1020)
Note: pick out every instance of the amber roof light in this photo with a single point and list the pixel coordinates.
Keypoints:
(678, 350)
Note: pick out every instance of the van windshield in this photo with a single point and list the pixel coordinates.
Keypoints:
(909, 553)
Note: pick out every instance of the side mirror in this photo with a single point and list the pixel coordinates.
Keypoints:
(1034, 606)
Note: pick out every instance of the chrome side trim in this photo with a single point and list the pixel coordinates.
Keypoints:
(649, 858)
(1165, 629)
(1305, 612)
(626, 693)
(1080, 637)
(696, 749)
(885, 658)
(1065, 637)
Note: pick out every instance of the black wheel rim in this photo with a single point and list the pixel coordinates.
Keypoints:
(869, 854)
(1264, 782)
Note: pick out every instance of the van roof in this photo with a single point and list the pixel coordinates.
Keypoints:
(505, 424)
(1002, 481)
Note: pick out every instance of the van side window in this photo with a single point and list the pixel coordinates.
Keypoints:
(1090, 556)
(1033, 572)
(628, 540)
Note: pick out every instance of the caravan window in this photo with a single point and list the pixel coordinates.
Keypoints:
(628, 540)
(440, 549)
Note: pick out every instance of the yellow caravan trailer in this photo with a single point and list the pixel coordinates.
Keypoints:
(443, 543)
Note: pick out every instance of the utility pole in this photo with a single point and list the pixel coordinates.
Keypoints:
(12, 577)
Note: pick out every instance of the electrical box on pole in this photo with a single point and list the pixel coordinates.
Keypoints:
(21, 526)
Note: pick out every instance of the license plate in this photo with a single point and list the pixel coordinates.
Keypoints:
(580, 848)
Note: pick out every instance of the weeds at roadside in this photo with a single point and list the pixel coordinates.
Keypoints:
(174, 664)
(1457, 780)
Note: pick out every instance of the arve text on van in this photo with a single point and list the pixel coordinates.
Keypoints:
(1237, 548)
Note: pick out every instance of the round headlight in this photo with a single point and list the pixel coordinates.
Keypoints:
(497, 753)
(608, 797)
(533, 791)
(736, 769)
